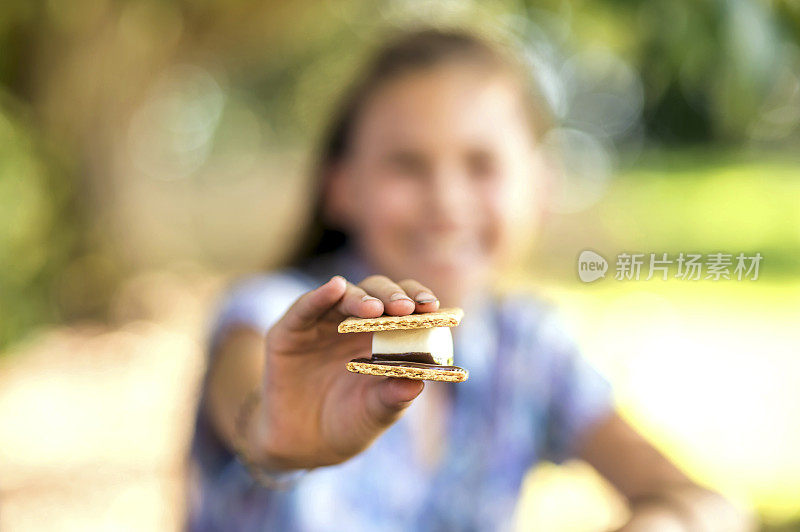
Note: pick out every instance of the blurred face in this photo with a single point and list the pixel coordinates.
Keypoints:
(441, 179)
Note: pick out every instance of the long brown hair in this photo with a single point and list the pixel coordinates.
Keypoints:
(406, 53)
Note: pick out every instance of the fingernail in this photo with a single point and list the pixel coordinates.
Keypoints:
(397, 296)
(369, 298)
(425, 297)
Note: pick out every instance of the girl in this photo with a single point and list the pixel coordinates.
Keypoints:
(430, 178)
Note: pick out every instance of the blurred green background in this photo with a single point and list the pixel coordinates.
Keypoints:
(152, 150)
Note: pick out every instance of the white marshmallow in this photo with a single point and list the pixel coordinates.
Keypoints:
(435, 340)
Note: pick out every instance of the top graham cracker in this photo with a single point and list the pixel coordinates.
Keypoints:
(446, 317)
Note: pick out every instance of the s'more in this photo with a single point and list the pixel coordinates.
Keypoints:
(416, 346)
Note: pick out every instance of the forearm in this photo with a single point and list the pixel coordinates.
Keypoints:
(686, 508)
(660, 496)
(235, 374)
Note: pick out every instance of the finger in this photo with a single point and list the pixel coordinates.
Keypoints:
(387, 398)
(395, 300)
(423, 297)
(311, 306)
(357, 302)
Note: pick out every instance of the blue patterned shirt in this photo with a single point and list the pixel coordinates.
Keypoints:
(529, 397)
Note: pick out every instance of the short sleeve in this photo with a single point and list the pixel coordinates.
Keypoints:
(579, 395)
(258, 302)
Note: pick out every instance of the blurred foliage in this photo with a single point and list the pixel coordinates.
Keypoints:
(38, 224)
(111, 112)
(713, 71)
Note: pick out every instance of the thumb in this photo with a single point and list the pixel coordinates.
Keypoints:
(388, 398)
(312, 305)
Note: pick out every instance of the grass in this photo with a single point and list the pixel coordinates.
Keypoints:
(707, 370)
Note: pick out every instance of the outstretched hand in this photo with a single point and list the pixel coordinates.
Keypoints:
(313, 411)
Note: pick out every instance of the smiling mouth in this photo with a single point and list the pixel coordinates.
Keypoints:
(448, 251)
